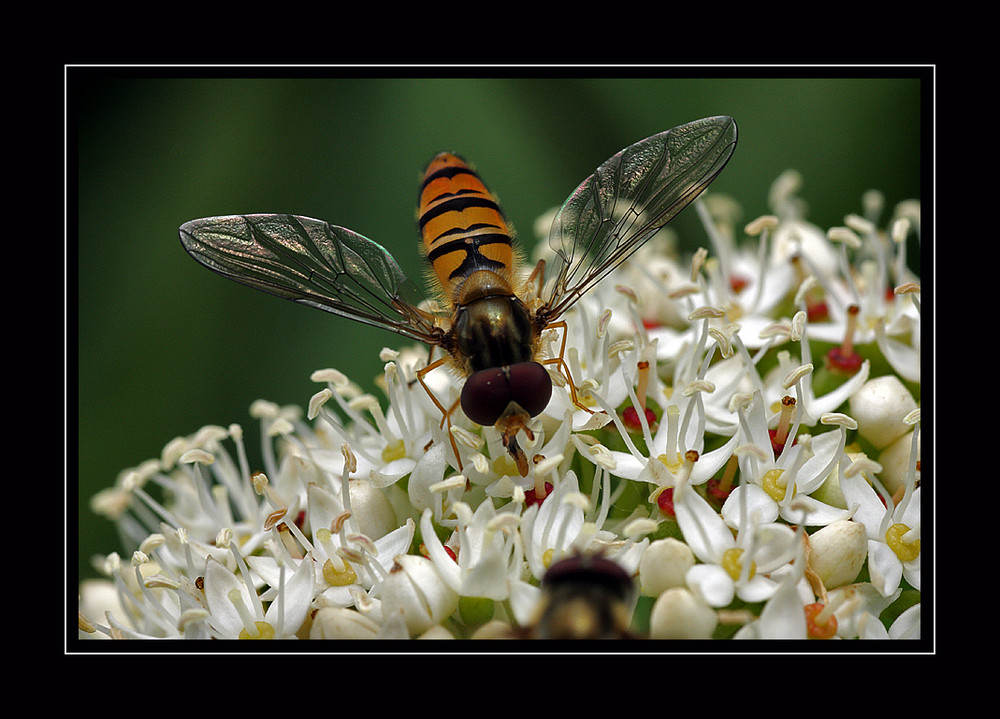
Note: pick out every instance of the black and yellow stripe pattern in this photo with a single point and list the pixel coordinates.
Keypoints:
(462, 226)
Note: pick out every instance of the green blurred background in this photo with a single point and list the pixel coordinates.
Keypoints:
(164, 346)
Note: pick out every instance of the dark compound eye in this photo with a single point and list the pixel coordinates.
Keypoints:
(488, 392)
(530, 386)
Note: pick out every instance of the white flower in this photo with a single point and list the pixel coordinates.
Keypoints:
(389, 517)
(796, 472)
(488, 559)
(553, 528)
(730, 566)
(237, 610)
(414, 591)
(893, 531)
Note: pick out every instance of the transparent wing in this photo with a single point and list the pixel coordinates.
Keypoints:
(631, 196)
(312, 262)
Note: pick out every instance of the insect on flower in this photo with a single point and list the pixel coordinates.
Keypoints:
(492, 315)
(584, 597)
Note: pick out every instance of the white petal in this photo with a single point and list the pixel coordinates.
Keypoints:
(711, 583)
(710, 463)
(816, 513)
(451, 573)
(833, 399)
(758, 589)
(524, 599)
(760, 506)
(884, 567)
(870, 510)
(219, 581)
(297, 595)
(907, 624)
(703, 529)
(783, 616)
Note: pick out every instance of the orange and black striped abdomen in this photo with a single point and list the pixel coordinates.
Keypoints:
(461, 224)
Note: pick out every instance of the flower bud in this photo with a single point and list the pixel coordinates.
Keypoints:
(837, 551)
(879, 407)
(372, 509)
(341, 623)
(679, 614)
(895, 461)
(663, 565)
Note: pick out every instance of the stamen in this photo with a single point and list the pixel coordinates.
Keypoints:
(643, 383)
(274, 517)
(132, 484)
(225, 539)
(697, 262)
(839, 419)
(454, 482)
(723, 340)
(859, 224)
(762, 223)
(547, 465)
(690, 457)
(721, 487)
(280, 427)
(317, 401)
(350, 466)
(779, 435)
(392, 387)
(467, 438)
(796, 374)
(843, 359)
(371, 404)
(844, 235)
(618, 424)
(671, 456)
(706, 312)
(798, 329)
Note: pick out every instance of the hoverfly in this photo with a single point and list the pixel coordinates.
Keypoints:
(584, 596)
(493, 317)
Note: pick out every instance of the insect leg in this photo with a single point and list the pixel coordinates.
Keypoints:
(563, 367)
(538, 276)
(445, 413)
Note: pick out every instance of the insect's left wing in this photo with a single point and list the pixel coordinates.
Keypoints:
(312, 262)
(628, 199)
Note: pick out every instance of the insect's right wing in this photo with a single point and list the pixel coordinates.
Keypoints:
(312, 262)
(628, 199)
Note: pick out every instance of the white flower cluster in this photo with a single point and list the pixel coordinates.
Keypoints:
(750, 462)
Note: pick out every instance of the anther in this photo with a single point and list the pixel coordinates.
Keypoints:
(707, 312)
(796, 374)
(845, 235)
(764, 222)
(197, 456)
(317, 401)
(837, 418)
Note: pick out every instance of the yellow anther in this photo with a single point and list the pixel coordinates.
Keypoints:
(732, 562)
(906, 551)
(264, 631)
(339, 577)
(672, 463)
(774, 485)
(547, 557)
(393, 451)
